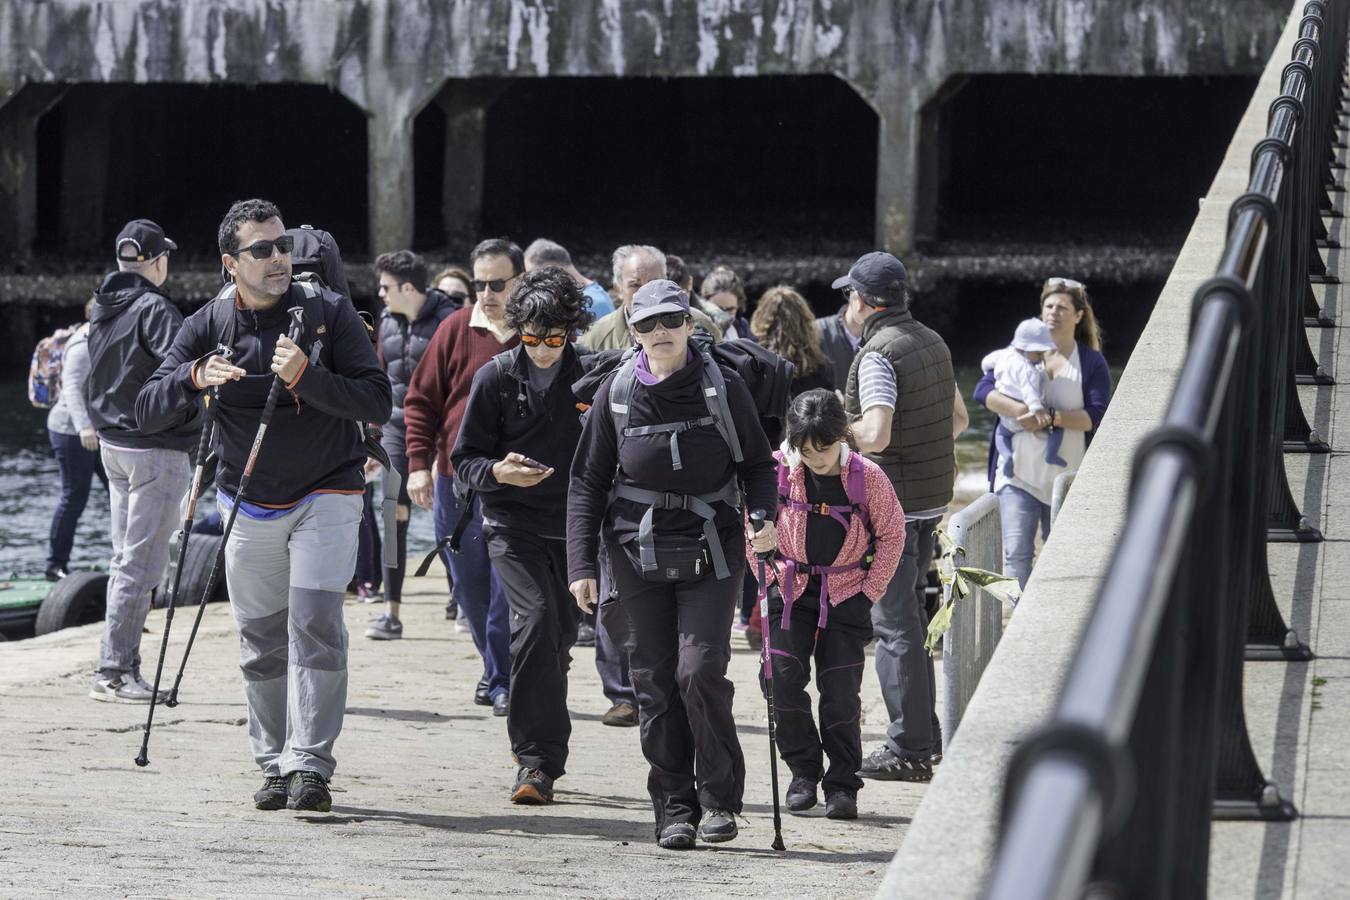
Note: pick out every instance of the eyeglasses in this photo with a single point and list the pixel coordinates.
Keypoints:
(263, 249)
(534, 340)
(496, 285)
(1065, 283)
(669, 321)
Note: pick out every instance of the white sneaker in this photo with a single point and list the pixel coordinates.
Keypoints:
(124, 688)
(461, 626)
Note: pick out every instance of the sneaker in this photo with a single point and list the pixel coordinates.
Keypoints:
(461, 625)
(883, 765)
(501, 704)
(621, 715)
(679, 836)
(533, 788)
(384, 628)
(308, 791)
(718, 826)
(801, 795)
(366, 593)
(937, 752)
(123, 688)
(272, 794)
(585, 635)
(841, 805)
(56, 572)
(452, 610)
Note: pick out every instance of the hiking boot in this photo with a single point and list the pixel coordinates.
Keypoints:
(308, 791)
(585, 635)
(272, 794)
(533, 788)
(384, 628)
(501, 704)
(679, 836)
(718, 826)
(801, 795)
(841, 805)
(621, 715)
(123, 688)
(883, 765)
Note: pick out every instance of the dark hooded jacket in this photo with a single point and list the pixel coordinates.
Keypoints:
(401, 345)
(131, 329)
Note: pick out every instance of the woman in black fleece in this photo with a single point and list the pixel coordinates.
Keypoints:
(520, 427)
(679, 643)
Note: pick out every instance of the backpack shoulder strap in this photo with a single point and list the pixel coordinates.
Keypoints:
(621, 396)
(715, 395)
(223, 326)
(856, 488)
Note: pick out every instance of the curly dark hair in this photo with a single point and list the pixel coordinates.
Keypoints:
(549, 299)
(784, 324)
(816, 416)
(407, 267)
(242, 211)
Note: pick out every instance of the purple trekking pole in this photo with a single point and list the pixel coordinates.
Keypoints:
(766, 656)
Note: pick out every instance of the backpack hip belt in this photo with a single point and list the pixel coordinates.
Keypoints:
(698, 504)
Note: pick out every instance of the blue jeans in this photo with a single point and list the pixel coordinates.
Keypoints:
(78, 467)
(1019, 514)
(481, 599)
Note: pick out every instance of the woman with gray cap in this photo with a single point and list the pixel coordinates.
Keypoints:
(668, 441)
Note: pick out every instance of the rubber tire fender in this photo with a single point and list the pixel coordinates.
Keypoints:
(78, 599)
(201, 556)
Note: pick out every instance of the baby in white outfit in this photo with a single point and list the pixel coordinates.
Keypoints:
(1018, 374)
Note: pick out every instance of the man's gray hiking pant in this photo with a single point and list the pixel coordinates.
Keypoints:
(286, 579)
(145, 487)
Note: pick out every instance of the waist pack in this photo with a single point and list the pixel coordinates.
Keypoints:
(675, 558)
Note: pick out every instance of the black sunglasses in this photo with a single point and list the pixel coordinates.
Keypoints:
(669, 321)
(497, 285)
(263, 249)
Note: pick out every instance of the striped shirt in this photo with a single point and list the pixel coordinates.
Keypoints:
(876, 382)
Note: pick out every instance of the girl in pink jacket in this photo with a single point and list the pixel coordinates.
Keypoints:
(840, 535)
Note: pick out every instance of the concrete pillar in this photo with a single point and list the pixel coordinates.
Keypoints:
(897, 186)
(85, 147)
(466, 105)
(389, 180)
(19, 164)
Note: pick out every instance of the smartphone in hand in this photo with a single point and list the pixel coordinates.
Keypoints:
(533, 464)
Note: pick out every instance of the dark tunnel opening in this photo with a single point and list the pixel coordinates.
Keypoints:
(1082, 160)
(702, 166)
(180, 154)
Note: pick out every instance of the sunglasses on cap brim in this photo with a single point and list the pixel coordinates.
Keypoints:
(669, 321)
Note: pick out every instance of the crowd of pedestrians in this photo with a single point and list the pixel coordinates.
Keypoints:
(589, 457)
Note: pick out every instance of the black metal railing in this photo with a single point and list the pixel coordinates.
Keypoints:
(1148, 742)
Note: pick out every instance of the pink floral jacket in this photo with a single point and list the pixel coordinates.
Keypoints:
(888, 526)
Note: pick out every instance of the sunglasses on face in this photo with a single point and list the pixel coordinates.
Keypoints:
(263, 249)
(534, 340)
(496, 285)
(669, 321)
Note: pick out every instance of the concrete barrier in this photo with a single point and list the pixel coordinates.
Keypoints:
(977, 620)
(949, 846)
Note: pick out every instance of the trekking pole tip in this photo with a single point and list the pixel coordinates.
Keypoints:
(172, 700)
(142, 760)
(778, 844)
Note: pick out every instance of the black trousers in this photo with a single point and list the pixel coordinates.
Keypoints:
(679, 648)
(840, 650)
(533, 574)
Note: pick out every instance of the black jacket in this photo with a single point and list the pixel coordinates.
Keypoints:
(314, 440)
(401, 345)
(646, 463)
(505, 413)
(131, 328)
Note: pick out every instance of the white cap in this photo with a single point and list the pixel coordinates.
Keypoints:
(1033, 335)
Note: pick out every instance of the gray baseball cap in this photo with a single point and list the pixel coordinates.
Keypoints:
(657, 297)
(878, 275)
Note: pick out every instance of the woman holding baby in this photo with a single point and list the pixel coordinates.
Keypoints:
(1075, 389)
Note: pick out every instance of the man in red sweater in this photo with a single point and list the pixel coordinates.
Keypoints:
(432, 411)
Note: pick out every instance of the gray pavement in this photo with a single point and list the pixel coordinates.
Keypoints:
(420, 796)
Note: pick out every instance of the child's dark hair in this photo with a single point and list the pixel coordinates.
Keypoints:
(817, 417)
(549, 298)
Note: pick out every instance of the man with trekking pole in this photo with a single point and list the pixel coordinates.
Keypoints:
(296, 481)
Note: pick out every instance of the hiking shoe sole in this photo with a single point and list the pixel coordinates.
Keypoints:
(677, 838)
(529, 795)
(310, 803)
(915, 776)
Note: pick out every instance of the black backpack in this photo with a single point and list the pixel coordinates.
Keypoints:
(316, 253)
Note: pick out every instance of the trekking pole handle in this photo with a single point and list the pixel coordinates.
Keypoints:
(757, 519)
(297, 314)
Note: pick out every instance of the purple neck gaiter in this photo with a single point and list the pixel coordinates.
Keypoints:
(644, 371)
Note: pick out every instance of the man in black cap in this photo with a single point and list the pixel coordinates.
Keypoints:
(899, 397)
(131, 328)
